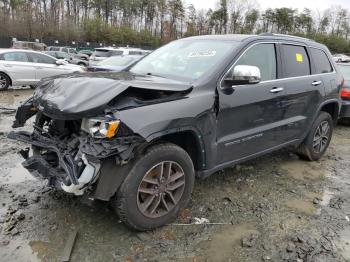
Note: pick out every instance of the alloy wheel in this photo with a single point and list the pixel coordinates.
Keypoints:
(3, 82)
(321, 137)
(161, 189)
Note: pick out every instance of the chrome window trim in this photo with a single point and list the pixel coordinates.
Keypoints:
(280, 79)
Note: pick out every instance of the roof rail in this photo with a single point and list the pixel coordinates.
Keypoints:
(289, 36)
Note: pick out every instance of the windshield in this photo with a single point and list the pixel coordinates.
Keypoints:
(345, 70)
(117, 61)
(102, 53)
(184, 58)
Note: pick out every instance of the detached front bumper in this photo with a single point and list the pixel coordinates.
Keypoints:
(72, 165)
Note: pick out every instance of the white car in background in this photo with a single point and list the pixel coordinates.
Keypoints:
(341, 58)
(103, 53)
(25, 67)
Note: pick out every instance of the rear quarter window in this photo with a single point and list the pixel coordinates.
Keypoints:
(295, 60)
(322, 63)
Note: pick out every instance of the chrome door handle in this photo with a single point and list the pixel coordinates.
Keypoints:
(316, 83)
(276, 90)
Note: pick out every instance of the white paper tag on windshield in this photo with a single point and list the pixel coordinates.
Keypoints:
(202, 53)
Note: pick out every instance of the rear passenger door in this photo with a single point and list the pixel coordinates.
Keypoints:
(304, 90)
(17, 65)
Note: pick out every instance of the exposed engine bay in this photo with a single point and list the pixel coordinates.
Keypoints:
(67, 156)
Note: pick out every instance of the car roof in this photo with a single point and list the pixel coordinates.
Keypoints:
(18, 50)
(263, 36)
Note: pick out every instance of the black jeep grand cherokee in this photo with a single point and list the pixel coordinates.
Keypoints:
(192, 107)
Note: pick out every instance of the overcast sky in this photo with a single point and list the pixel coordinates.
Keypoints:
(264, 4)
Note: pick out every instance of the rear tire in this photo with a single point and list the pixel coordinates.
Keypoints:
(143, 201)
(318, 139)
(5, 81)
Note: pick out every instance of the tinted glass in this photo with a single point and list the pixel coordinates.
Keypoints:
(345, 70)
(185, 59)
(262, 56)
(65, 49)
(39, 58)
(135, 53)
(117, 53)
(102, 53)
(54, 48)
(321, 61)
(117, 61)
(62, 55)
(15, 56)
(296, 61)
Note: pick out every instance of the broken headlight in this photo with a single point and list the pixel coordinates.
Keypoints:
(100, 127)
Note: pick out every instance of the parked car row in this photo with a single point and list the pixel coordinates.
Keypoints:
(341, 58)
(25, 67)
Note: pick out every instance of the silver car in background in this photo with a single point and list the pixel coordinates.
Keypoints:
(25, 67)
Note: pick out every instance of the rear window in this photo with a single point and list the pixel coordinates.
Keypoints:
(296, 61)
(322, 63)
(15, 56)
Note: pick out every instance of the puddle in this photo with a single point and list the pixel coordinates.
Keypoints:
(17, 175)
(301, 170)
(14, 97)
(343, 244)
(222, 244)
(302, 206)
(18, 250)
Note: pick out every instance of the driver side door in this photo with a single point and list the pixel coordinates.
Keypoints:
(251, 116)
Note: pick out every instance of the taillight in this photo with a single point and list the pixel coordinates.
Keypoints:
(345, 93)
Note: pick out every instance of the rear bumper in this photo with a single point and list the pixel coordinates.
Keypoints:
(345, 109)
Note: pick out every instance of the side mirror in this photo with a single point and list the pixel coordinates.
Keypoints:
(60, 62)
(242, 75)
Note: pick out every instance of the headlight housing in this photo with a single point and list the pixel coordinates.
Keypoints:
(100, 127)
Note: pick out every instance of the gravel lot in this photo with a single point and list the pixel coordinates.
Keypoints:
(275, 208)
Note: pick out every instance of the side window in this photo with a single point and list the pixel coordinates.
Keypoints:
(295, 60)
(39, 58)
(262, 56)
(135, 53)
(115, 53)
(322, 63)
(15, 56)
(64, 49)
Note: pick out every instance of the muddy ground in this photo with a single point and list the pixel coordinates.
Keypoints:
(275, 208)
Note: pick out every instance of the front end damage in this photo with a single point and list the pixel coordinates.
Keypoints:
(80, 139)
(67, 156)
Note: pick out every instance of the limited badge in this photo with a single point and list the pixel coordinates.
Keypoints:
(299, 58)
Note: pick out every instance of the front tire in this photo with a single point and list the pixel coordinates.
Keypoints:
(158, 186)
(318, 139)
(5, 81)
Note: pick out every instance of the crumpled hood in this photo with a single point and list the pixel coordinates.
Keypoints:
(76, 95)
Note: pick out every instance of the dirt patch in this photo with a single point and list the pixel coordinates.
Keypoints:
(223, 244)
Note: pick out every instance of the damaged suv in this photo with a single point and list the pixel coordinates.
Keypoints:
(138, 138)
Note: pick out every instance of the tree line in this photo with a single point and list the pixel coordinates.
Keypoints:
(152, 23)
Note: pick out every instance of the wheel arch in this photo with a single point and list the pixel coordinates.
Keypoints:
(332, 107)
(188, 139)
(7, 76)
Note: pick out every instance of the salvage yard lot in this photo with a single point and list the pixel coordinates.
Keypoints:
(275, 208)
